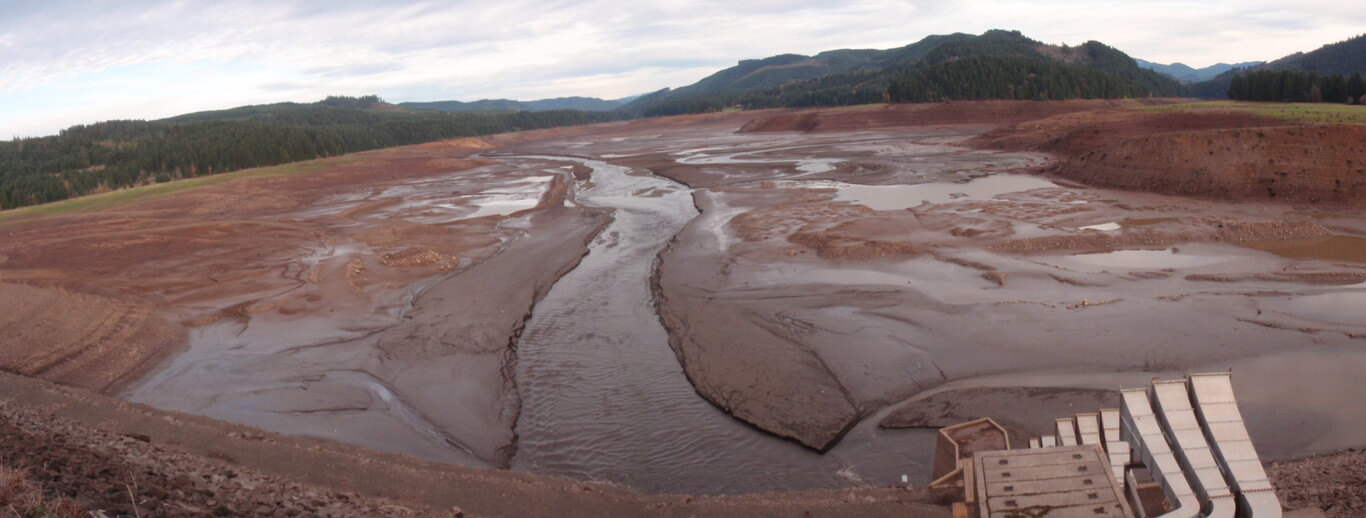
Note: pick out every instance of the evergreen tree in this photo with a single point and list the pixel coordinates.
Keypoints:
(1281, 86)
(118, 154)
(1011, 77)
(1237, 90)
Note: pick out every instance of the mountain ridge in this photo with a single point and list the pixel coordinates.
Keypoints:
(1188, 74)
(592, 104)
(1344, 57)
(859, 76)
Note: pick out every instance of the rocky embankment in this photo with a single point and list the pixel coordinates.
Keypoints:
(95, 453)
(86, 452)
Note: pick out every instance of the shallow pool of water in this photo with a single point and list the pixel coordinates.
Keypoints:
(501, 205)
(1341, 248)
(1346, 307)
(604, 397)
(1144, 222)
(806, 167)
(1145, 259)
(941, 280)
(896, 197)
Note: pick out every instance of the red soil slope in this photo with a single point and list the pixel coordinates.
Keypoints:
(1204, 154)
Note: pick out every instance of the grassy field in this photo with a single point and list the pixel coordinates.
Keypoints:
(1293, 112)
(125, 197)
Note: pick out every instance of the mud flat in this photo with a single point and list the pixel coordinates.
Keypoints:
(719, 304)
(427, 372)
(112, 455)
(604, 396)
(832, 275)
(372, 298)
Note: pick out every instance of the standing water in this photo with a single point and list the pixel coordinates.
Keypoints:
(603, 396)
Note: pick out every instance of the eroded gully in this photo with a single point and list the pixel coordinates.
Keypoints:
(604, 397)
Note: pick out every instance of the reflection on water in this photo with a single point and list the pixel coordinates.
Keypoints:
(896, 197)
(604, 397)
(1340, 248)
(1348, 307)
(517, 196)
(944, 281)
(1143, 222)
(1106, 227)
(807, 166)
(1128, 223)
(1145, 259)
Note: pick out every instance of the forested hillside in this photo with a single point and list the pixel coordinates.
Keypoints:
(1302, 87)
(920, 72)
(1010, 77)
(110, 155)
(1186, 74)
(1342, 58)
(559, 103)
(994, 65)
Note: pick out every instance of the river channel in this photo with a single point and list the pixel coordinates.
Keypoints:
(604, 397)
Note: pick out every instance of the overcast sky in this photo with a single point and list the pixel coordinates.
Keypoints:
(64, 62)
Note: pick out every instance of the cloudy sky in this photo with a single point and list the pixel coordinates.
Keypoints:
(65, 62)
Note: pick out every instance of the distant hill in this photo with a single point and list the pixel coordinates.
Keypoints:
(856, 76)
(115, 154)
(1187, 74)
(589, 104)
(1344, 57)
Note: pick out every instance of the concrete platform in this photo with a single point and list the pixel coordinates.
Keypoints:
(1061, 481)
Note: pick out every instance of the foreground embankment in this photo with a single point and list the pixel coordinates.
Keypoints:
(131, 459)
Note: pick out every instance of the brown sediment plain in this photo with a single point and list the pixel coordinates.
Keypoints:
(934, 269)
(812, 273)
(836, 269)
(111, 341)
(307, 298)
(129, 460)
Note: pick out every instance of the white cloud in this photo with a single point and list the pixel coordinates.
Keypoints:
(140, 59)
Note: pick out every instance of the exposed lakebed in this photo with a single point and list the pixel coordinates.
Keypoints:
(713, 312)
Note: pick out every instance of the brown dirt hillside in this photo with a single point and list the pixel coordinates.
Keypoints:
(1223, 155)
(93, 342)
(95, 298)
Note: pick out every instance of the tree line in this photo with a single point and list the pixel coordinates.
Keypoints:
(1292, 86)
(92, 158)
(995, 65)
(835, 90)
(1012, 77)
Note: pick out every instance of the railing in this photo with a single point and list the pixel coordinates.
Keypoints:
(1190, 436)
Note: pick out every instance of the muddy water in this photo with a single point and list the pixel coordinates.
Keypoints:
(1146, 259)
(418, 367)
(604, 397)
(1335, 248)
(892, 197)
(805, 167)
